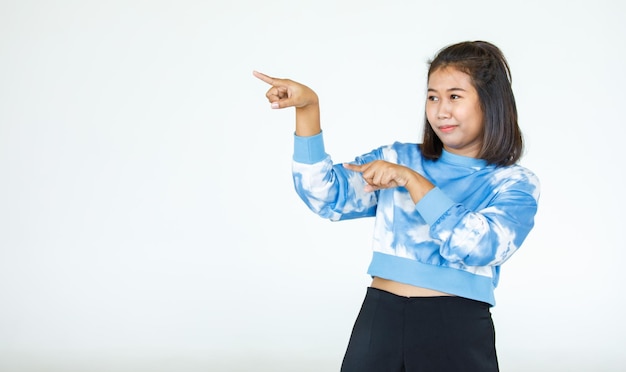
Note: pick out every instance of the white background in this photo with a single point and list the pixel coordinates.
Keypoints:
(147, 215)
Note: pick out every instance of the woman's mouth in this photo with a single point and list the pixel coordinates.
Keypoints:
(447, 128)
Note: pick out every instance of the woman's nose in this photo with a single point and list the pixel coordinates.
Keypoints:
(444, 111)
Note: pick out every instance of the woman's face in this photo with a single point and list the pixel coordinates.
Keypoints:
(453, 111)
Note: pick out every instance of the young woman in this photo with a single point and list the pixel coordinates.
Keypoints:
(449, 212)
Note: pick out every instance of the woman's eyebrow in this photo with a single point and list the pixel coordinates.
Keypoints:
(447, 90)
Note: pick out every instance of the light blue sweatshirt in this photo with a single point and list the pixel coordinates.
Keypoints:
(454, 240)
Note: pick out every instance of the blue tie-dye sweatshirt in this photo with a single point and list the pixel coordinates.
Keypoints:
(453, 240)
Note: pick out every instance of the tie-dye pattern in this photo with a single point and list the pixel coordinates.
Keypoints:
(491, 211)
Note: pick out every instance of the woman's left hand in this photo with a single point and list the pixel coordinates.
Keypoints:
(381, 174)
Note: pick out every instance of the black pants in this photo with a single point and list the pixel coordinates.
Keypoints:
(431, 334)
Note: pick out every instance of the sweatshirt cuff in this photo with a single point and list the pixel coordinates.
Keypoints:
(433, 205)
(309, 150)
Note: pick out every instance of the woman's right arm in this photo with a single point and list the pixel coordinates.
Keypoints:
(331, 191)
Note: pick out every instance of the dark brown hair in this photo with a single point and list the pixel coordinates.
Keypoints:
(490, 74)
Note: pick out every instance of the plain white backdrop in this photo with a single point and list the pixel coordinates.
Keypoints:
(147, 215)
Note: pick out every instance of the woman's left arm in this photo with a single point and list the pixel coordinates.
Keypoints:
(488, 236)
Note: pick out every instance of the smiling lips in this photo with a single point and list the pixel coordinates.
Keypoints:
(447, 128)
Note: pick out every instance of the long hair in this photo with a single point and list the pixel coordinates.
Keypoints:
(489, 71)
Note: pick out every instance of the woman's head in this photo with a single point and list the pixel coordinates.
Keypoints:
(470, 106)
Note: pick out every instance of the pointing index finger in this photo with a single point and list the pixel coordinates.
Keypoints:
(353, 167)
(264, 77)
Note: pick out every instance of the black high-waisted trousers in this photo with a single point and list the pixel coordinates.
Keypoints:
(414, 334)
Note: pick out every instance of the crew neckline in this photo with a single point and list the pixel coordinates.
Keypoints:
(466, 161)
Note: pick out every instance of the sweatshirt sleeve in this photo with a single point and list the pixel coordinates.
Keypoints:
(309, 150)
(434, 204)
(488, 236)
(328, 189)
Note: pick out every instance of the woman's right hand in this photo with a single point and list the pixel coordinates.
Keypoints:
(287, 93)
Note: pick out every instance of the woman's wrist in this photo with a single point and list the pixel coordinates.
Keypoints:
(308, 120)
(418, 186)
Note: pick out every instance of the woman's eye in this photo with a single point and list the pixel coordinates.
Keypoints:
(433, 98)
(454, 96)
